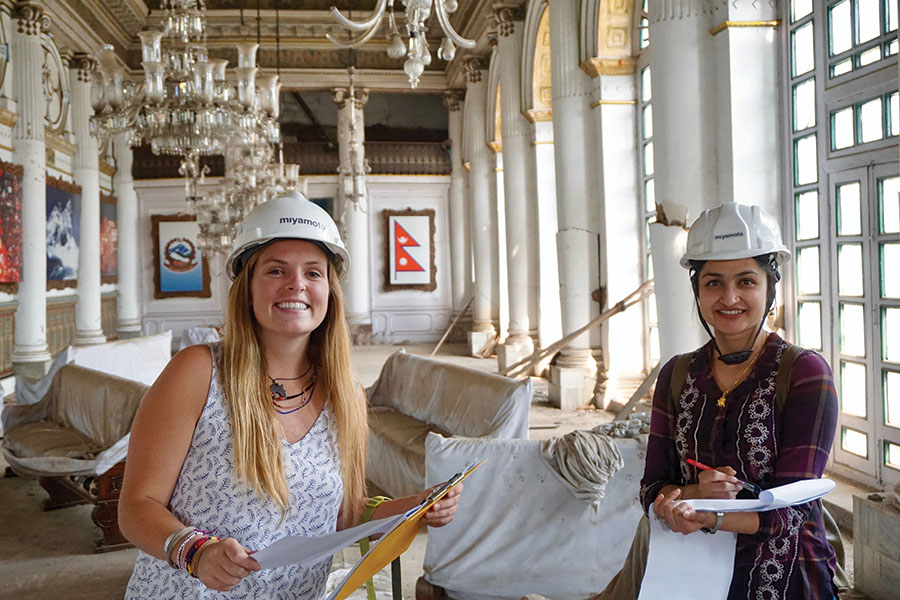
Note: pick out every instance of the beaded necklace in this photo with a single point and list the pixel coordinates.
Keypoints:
(279, 395)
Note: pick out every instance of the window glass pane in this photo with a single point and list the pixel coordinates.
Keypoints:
(806, 168)
(645, 32)
(648, 159)
(654, 344)
(809, 325)
(805, 104)
(853, 388)
(889, 199)
(854, 442)
(869, 56)
(650, 195)
(839, 33)
(890, 48)
(807, 215)
(894, 113)
(647, 120)
(800, 8)
(892, 399)
(848, 209)
(871, 118)
(892, 455)
(891, 8)
(850, 280)
(842, 128)
(650, 276)
(890, 334)
(845, 66)
(853, 325)
(808, 271)
(890, 266)
(802, 50)
(651, 307)
(645, 85)
(868, 20)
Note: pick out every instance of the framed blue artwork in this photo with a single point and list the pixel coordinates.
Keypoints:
(179, 267)
(63, 233)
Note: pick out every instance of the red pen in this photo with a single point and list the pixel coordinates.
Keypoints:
(750, 487)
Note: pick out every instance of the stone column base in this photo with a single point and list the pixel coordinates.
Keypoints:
(509, 353)
(89, 338)
(129, 329)
(32, 370)
(478, 340)
(570, 388)
(361, 334)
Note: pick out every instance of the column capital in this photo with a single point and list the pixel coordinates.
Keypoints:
(341, 95)
(506, 14)
(677, 10)
(475, 69)
(31, 19)
(453, 98)
(84, 65)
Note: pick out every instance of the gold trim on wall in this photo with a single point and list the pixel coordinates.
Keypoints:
(737, 24)
(541, 143)
(536, 115)
(107, 169)
(8, 118)
(496, 147)
(613, 103)
(610, 66)
(58, 143)
(4, 147)
(467, 166)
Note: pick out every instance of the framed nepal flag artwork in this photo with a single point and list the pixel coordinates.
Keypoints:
(179, 267)
(409, 252)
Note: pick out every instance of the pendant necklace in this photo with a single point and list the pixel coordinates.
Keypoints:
(721, 401)
(280, 395)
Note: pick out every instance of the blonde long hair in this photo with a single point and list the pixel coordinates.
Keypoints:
(255, 431)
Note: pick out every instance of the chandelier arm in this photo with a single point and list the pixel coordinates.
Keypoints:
(374, 18)
(354, 43)
(444, 20)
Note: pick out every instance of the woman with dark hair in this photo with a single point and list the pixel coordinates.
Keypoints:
(263, 436)
(724, 412)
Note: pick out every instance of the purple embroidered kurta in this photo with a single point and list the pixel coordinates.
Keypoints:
(789, 557)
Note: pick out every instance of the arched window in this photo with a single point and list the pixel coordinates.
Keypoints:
(843, 216)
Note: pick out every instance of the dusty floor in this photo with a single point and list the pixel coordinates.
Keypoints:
(49, 555)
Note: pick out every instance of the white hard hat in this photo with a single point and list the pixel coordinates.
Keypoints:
(287, 216)
(733, 231)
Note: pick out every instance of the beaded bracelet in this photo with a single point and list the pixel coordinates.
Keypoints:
(170, 543)
(193, 558)
(184, 548)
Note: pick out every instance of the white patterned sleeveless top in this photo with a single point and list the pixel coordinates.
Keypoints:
(208, 497)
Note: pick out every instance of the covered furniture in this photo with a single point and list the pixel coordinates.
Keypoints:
(521, 530)
(75, 440)
(414, 396)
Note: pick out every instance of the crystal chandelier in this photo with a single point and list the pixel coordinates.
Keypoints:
(418, 56)
(184, 107)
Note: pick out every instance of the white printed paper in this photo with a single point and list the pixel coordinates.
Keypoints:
(790, 494)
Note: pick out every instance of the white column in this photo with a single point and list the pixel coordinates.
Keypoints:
(549, 326)
(572, 378)
(685, 159)
(88, 327)
(354, 206)
(128, 302)
(748, 83)
(30, 355)
(518, 186)
(481, 165)
(460, 251)
(613, 113)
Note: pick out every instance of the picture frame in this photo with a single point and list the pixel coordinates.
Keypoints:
(63, 233)
(10, 226)
(109, 237)
(409, 250)
(180, 269)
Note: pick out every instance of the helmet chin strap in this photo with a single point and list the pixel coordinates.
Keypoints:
(734, 358)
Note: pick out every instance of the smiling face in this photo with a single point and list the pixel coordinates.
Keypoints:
(289, 289)
(732, 297)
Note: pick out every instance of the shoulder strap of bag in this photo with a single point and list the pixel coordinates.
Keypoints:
(679, 375)
(783, 379)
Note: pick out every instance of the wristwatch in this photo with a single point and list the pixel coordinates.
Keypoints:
(719, 517)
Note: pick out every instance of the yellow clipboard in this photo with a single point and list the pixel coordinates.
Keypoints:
(396, 541)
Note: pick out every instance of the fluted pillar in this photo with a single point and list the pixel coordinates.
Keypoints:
(128, 302)
(30, 354)
(481, 165)
(518, 186)
(88, 327)
(572, 377)
(354, 206)
(460, 250)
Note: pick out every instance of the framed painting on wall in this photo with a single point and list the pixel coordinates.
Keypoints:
(409, 250)
(109, 237)
(10, 226)
(63, 233)
(179, 268)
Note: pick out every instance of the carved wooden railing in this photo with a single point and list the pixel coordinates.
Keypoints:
(109, 316)
(7, 328)
(60, 323)
(385, 158)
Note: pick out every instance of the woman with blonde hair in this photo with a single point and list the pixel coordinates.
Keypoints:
(264, 435)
